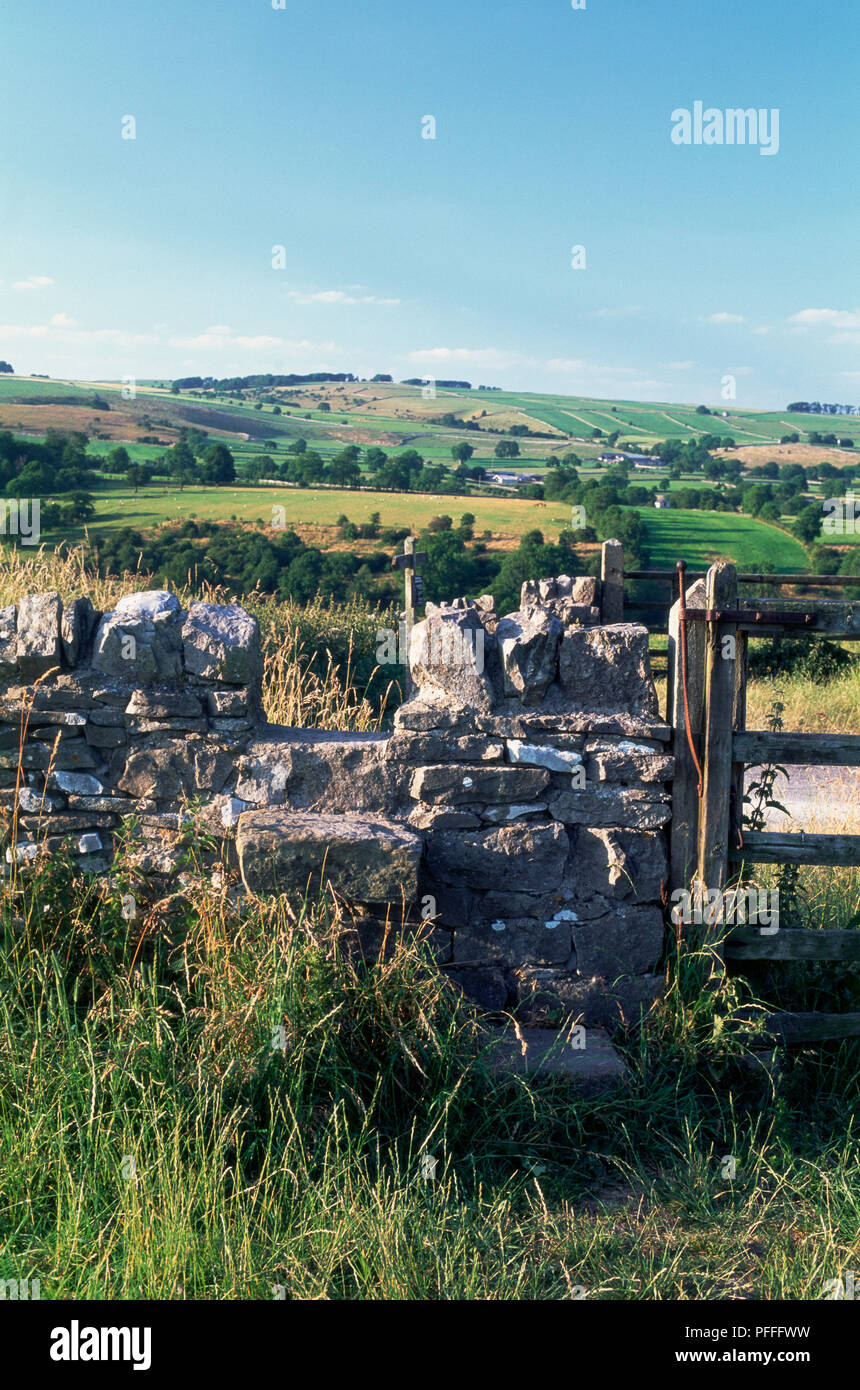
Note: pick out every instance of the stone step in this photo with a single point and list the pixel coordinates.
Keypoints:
(548, 1052)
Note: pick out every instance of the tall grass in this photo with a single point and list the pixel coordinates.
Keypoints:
(831, 708)
(212, 1100)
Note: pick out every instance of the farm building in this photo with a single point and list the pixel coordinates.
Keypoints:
(513, 479)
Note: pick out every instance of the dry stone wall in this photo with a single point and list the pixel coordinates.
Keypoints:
(517, 809)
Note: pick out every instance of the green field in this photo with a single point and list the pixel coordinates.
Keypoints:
(697, 537)
(320, 507)
(700, 538)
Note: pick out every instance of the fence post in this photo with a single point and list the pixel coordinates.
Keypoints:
(720, 664)
(685, 785)
(612, 582)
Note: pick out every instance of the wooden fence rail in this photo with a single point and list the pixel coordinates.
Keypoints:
(777, 847)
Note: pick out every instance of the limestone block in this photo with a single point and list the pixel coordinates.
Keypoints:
(608, 668)
(521, 856)
(528, 646)
(222, 643)
(543, 755)
(38, 634)
(366, 860)
(454, 785)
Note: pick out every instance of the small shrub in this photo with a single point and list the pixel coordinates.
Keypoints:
(814, 660)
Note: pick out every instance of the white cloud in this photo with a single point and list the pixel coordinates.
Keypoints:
(479, 357)
(622, 312)
(830, 318)
(339, 297)
(572, 365)
(62, 321)
(66, 333)
(678, 366)
(594, 378)
(213, 339)
(33, 282)
(261, 342)
(722, 317)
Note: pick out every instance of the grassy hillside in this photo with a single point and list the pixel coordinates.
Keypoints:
(700, 538)
(389, 414)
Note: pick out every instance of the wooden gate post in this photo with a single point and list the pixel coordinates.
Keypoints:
(409, 562)
(684, 830)
(720, 664)
(612, 582)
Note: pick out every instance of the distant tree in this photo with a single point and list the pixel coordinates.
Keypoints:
(344, 470)
(6, 367)
(117, 460)
(807, 523)
(507, 449)
(439, 523)
(298, 446)
(180, 460)
(81, 507)
(462, 452)
(134, 477)
(755, 499)
(324, 407)
(219, 465)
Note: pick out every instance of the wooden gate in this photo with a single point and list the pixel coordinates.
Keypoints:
(706, 663)
(712, 745)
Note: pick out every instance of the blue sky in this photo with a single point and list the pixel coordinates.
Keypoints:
(301, 127)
